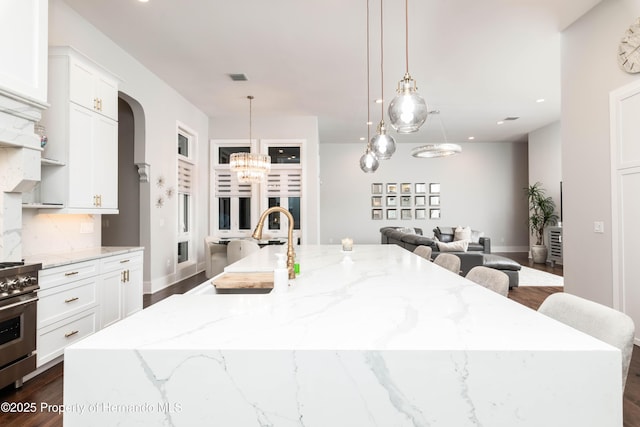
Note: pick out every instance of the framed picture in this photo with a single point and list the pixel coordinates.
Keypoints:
(376, 201)
(405, 214)
(392, 188)
(434, 188)
(434, 213)
(392, 214)
(421, 214)
(434, 200)
(405, 188)
(376, 214)
(421, 188)
(376, 188)
(421, 201)
(405, 201)
(391, 201)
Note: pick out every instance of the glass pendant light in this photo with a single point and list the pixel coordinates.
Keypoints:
(383, 145)
(437, 150)
(369, 163)
(408, 110)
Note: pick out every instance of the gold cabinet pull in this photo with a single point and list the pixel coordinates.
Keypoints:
(124, 260)
(71, 299)
(72, 273)
(70, 334)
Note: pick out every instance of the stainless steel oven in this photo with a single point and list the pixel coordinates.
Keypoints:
(18, 311)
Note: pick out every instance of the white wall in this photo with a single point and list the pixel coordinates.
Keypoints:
(589, 72)
(301, 127)
(545, 161)
(482, 187)
(163, 106)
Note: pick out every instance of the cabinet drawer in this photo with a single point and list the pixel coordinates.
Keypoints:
(118, 262)
(53, 339)
(63, 301)
(57, 276)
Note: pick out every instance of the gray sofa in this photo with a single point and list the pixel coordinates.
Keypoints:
(478, 252)
(410, 238)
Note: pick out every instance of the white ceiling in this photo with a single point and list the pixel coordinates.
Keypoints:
(475, 61)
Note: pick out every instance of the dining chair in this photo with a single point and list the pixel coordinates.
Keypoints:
(490, 278)
(423, 251)
(215, 255)
(449, 261)
(601, 322)
(238, 249)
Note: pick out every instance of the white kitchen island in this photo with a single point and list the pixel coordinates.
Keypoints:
(375, 337)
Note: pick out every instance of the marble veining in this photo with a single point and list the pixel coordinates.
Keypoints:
(378, 337)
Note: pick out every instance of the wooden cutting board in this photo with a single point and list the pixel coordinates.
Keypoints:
(262, 280)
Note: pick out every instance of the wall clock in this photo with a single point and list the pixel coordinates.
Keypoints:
(629, 49)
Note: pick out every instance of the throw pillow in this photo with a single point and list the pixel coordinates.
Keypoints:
(462, 234)
(457, 246)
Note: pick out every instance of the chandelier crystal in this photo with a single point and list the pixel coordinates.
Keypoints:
(250, 167)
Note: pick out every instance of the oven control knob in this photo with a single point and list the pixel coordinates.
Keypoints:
(4, 286)
(11, 284)
(23, 282)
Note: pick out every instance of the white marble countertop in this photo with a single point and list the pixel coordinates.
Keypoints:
(375, 337)
(50, 260)
(376, 297)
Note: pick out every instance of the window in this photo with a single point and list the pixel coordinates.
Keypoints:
(238, 205)
(185, 193)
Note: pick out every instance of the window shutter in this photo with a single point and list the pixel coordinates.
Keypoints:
(185, 177)
(284, 183)
(227, 185)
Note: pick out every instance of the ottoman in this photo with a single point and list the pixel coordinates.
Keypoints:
(506, 265)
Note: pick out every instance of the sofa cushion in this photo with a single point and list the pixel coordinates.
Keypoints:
(475, 247)
(501, 263)
(417, 239)
(457, 246)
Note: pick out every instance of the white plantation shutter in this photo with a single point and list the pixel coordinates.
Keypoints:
(185, 177)
(227, 185)
(284, 183)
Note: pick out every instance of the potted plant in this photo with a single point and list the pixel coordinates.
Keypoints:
(541, 213)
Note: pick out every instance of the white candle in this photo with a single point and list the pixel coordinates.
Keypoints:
(347, 244)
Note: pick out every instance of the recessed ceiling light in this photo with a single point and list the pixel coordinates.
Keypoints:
(362, 138)
(540, 100)
(143, 1)
(369, 123)
(501, 122)
(378, 101)
(471, 138)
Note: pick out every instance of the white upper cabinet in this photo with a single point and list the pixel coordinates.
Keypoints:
(83, 135)
(92, 89)
(24, 35)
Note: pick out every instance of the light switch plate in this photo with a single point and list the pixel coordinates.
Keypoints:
(598, 227)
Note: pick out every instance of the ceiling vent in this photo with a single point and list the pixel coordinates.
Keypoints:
(506, 119)
(241, 77)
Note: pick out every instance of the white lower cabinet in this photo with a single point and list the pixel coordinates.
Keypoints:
(78, 299)
(121, 287)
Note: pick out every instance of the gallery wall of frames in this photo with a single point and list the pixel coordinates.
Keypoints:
(405, 201)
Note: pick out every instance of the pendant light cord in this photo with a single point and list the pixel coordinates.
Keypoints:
(381, 63)
(406, 33)
(368, 89)
(250, 98)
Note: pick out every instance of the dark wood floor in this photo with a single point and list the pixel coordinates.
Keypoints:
(47, 387)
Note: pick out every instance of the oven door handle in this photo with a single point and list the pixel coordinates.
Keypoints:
(19, 303)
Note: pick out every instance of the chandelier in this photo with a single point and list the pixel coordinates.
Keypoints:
(437, 150)
(250, 167)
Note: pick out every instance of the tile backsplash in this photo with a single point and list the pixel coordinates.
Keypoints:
(53, 233)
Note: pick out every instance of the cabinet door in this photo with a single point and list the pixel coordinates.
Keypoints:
(105, 162)
(107, 95)
(132, 292)
(80, 167)
(81, 84)
(110, 297)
